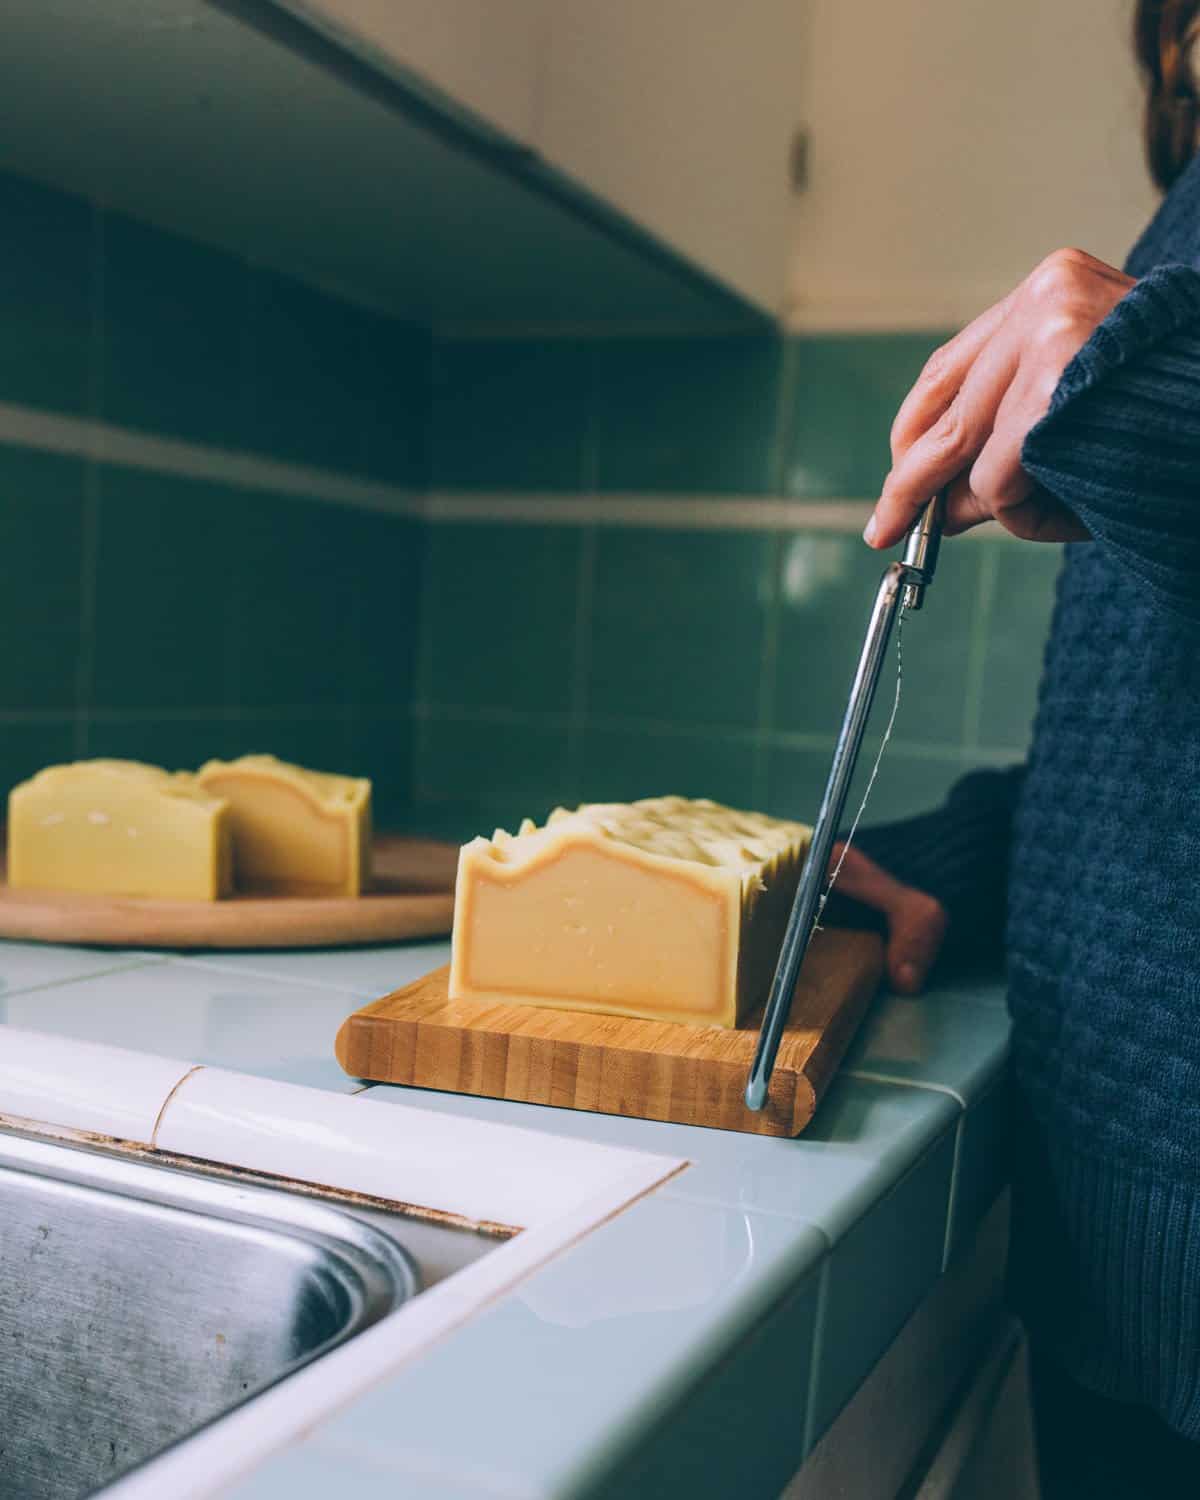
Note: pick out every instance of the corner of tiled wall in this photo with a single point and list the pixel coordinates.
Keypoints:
(179, 432)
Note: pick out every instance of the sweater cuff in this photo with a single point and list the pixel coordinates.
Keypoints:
(959, 853)
(1161, 304)
(1120, 443)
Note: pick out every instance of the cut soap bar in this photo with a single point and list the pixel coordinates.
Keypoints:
(667, 909)
(120, 828)
(296, 832)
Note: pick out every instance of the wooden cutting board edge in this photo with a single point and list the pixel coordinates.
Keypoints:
(421, 904)
(610, 1064)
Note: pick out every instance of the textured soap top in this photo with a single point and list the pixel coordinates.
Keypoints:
(117, 776)
(696, 830)
(321, 786)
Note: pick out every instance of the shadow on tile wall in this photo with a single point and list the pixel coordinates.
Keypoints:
(478, 672)
(167, 619)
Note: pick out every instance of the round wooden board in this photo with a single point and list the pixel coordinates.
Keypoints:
(412, 896)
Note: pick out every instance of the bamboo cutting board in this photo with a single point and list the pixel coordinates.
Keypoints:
(653, 1070)
(412, 895)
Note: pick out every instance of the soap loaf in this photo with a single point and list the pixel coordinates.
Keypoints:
(119, 828)
(668, 909)
(296, 832)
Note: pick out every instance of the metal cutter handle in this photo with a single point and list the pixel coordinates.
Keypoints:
(903, 585)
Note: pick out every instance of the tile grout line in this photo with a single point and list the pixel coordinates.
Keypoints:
(58, 984)
(669, 729)
(867, 1075)
(585, 588)
(953, 1203)
(90, 519)
(818, 1344)
(786, 381)
(760, 776)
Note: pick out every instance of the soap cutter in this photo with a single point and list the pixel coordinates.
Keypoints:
(902, 586)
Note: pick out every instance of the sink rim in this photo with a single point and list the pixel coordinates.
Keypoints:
(383, 1272)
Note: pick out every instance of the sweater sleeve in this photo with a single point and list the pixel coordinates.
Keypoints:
(958, 853)
(1120, 444)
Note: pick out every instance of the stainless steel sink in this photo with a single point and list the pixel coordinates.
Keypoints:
(138, 1303)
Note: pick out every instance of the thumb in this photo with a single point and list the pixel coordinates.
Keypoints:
(916, 931)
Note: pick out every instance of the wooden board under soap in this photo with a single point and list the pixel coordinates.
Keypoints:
(653, 1070)
(411, 896)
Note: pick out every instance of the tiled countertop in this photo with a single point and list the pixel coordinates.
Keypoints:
(710, 1332)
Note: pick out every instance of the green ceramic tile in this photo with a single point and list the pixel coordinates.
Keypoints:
(678, 624)
(307, 383)
(982, 1165)
(165, 630)
(690, 414)
(485, 775)
(295, 588)
(382, 749)
(41, 534)
(906, 784)
(395, 400)
(571, 1375)
(739, 1432)
(321, 740)
(304, 1472)
(45, 296)
(847, 390)
(827, 586)
(179, 744)
(1017, 625)
(795, 781)
(383, 558)
(509, 414)
(954, 1038)
(617, 765)
(26, 748)
(871, 1290)
(500, 608)
(175, 335)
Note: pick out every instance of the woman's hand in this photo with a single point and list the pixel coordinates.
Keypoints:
(916, 922)
(965, 421)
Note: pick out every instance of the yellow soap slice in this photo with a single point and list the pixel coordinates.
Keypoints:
(295, 832)
(667, 909)
(120, 828)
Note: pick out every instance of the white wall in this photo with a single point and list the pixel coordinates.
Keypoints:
(954, 143)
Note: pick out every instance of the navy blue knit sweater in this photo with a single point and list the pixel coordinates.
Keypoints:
(1097, 839)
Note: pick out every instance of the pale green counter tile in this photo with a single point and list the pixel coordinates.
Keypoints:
(358, 971)
(34, 966)
(983, 1161)
(249, 1023)
(863, 1140)
(583, 1365)
(952, 1038)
